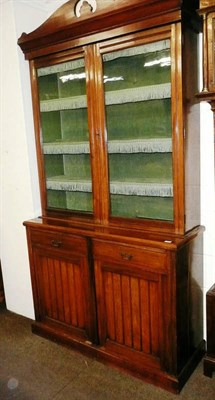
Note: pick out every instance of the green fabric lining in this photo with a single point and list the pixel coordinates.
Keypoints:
(74, 125)
(149, 119)
(48, 87)
(74, 87)
(77, 167)
(52, 87)
(76, 201)
(56, 199)
(79, 201)
(51, 126)
(127, 72)
(54, 165)
(142, 207)
(141, 167)
(68, 125)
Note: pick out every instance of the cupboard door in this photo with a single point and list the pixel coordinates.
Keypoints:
(64, 294)
(133, 301)
(137, 85)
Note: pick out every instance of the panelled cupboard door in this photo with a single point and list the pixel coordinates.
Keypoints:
(133, 301)
(63, 290)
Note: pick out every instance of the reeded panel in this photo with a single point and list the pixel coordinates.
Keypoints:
(61, 288)
(137, 84)
(65, 137)
(132, 311)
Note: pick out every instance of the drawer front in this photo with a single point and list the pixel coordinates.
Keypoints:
(120, 253)
(59, 241)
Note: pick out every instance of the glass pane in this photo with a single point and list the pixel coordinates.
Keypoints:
(137, 85)
(65, 137)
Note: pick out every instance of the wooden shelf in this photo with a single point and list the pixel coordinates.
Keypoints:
(124, 188)
(131, 95)
(158, 145)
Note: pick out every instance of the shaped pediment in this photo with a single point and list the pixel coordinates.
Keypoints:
(77, 19)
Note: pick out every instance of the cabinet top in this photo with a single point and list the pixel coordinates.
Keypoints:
(69, 22)
(163, 241)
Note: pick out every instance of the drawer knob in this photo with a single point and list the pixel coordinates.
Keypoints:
(126, 256)
(56, 243)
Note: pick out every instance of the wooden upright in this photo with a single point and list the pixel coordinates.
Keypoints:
(207, 12)
(115, 257)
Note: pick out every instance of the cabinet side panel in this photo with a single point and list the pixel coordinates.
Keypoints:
(182, 293)
(196, 290)
(189, 301)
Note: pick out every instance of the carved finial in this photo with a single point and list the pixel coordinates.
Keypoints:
(79, 4)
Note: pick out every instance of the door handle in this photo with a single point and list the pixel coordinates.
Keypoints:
(126, 256)
(56, 243)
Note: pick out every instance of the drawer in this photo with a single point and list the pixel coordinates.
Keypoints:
(58, 241)
(121, 253)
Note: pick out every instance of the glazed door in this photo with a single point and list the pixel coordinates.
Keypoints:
(63, 138)
(143, 137)
(137, 82)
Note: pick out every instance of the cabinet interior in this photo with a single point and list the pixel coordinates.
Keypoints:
(138, 132)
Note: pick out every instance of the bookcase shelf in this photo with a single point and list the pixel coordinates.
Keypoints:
(131, 95)
(123, 188)
(162, 145)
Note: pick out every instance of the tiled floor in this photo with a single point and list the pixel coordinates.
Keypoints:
(33, 368)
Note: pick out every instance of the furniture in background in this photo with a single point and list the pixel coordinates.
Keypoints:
(209, 360)
(207, 11)
(116, 119)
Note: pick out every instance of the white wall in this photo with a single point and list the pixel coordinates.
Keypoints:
(20, 199)
(19, 184)
(207, 197)
(20, 194)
